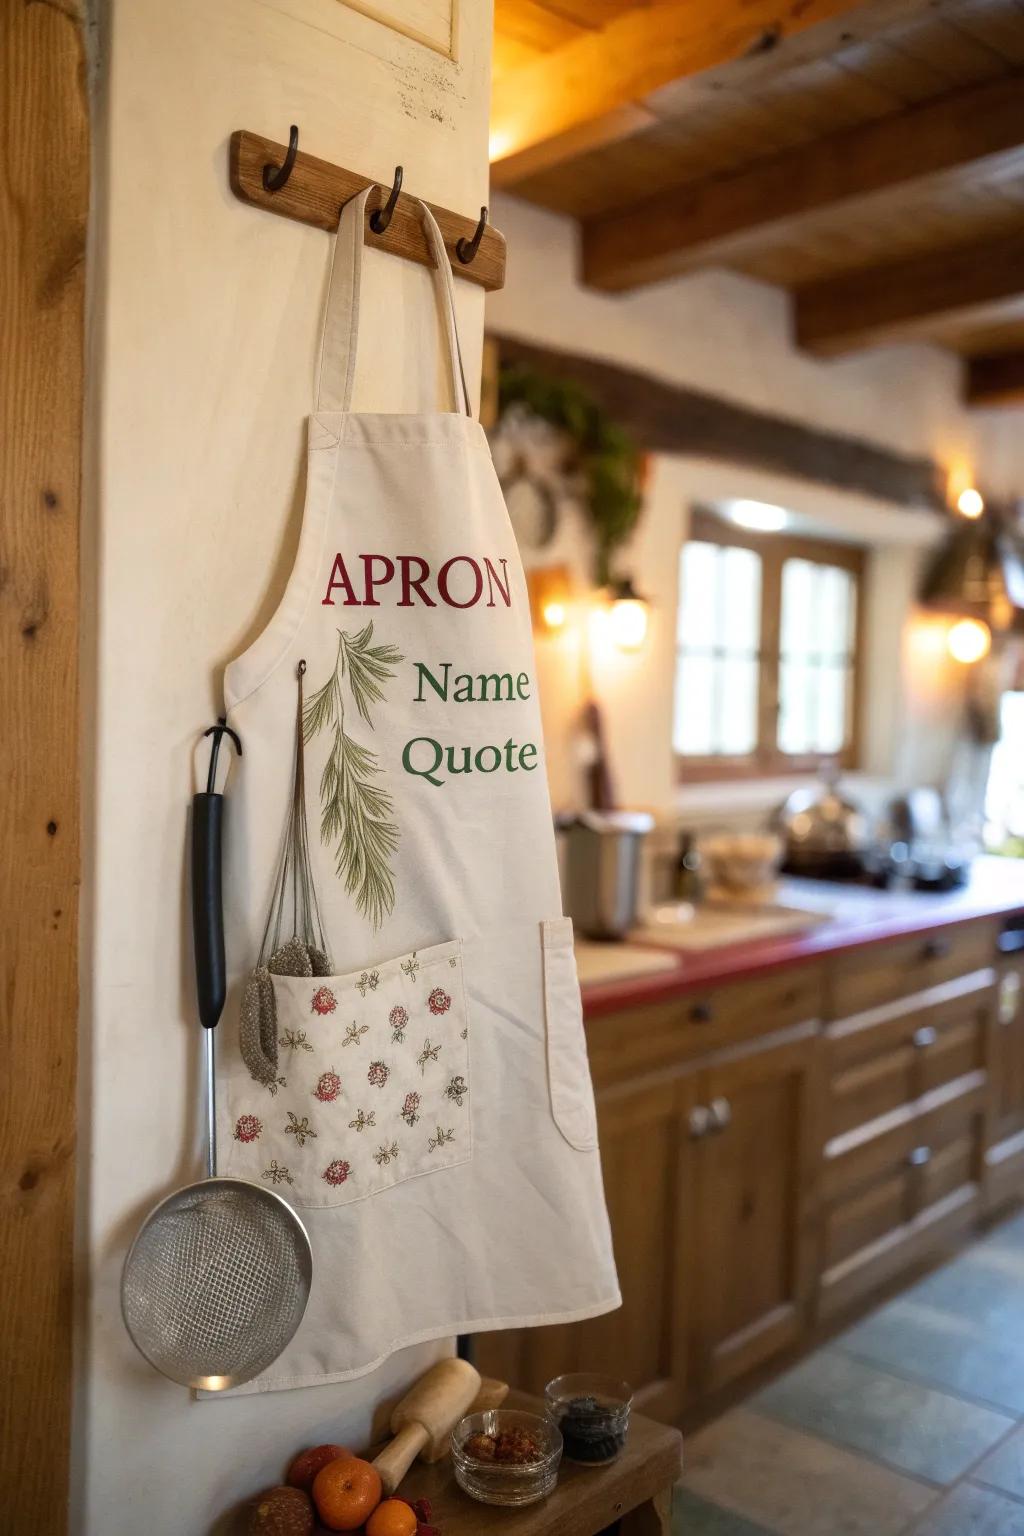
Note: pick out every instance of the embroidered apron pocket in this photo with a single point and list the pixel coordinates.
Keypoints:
(373, 1084)
(572, 1096)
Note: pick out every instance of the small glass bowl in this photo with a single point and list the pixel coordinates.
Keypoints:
(592, 1413)
(504, 1482)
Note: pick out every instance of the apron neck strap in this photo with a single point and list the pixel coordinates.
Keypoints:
(341, 321)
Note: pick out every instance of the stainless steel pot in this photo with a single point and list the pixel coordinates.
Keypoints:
(603, 861)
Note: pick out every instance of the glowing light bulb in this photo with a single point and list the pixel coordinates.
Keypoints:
(970, 502)
(628, 623)
(968, 641)
(553, 615)
(761, 516)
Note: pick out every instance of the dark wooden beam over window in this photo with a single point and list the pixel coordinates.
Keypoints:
(671, 418)
(997, 379)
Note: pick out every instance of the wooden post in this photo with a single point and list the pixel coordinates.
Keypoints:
(43, 209)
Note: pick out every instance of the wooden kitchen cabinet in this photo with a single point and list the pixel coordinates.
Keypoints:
(750, 1253)
(778, 1148)
(647, 1155)
(1004, 1156)
(709, 1181)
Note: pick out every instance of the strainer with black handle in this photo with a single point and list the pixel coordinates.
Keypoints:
(216, 1282)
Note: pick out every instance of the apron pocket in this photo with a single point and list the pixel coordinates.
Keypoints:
(572, 1096)
(372, 1085)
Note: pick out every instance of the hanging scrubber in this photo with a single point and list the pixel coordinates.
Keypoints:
(293, 904)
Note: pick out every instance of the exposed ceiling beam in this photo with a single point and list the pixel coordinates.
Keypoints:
(538, 110)
(704, 222)
(996, 380)
(898, 301)
(672, 418)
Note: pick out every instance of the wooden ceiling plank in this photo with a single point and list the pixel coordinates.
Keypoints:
(997, 379)
(956, 57)
(533, 110)
(996, 23)
(697, 222)
(898, 300)
(534, 25)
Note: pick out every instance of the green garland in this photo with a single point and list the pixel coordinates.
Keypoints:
(606, 455)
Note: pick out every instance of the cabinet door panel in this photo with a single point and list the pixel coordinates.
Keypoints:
(754, 1176)
(645, 1154)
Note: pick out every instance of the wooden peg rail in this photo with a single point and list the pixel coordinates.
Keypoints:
(314, 194)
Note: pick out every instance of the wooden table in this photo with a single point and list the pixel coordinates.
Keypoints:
(635, 1490)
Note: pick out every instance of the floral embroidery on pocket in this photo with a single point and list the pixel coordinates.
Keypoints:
(324, 1001)
(277, 1174)
(300, 1129)
(328, 1086)
(428, 1053)
(295, 1040)
(337, 1135)
(457, 1090)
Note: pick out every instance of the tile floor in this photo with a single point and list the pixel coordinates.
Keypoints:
(911, 1423)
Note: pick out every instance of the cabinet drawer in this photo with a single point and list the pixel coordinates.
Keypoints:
(880, 973)
(908, 1202)
(895, 1054)
(870, 1152)
(657, 1035)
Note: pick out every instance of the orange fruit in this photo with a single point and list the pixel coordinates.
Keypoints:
(392, 1518)
(305, 1466)
(346, 1492)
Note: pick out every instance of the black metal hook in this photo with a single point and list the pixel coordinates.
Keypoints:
(381, 217)
(465, 249)
(275, 176)
(218, 732)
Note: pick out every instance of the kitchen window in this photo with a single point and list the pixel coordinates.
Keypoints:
(767, 651)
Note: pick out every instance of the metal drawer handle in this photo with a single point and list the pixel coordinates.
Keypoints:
(720, 1111)
(702, 1013)
(935, 949)
(700, 1122)
(925, 1036)
(919, 1157)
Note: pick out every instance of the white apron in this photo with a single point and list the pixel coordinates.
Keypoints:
(431, 1117)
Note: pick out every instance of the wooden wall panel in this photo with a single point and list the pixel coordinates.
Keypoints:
(43, 211)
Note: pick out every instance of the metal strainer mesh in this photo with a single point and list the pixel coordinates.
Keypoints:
(216, 1283)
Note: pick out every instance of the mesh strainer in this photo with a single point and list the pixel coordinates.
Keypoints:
(217, 1279)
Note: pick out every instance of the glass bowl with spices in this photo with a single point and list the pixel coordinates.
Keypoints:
(506, 1456)
(592, 1412)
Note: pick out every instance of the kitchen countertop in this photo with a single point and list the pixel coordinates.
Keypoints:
(855, 915)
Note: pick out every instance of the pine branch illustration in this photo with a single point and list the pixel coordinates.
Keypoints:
(356, 813)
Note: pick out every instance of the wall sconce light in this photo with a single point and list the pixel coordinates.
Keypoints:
(627, 616)
(549, 590)
(970, 502)
(968, 640)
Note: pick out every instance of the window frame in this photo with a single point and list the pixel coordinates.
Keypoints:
(767, 759)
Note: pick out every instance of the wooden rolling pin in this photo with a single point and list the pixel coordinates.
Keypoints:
(425, 1417)
(491, 1395)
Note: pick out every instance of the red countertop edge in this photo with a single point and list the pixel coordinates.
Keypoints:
(982, 898)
